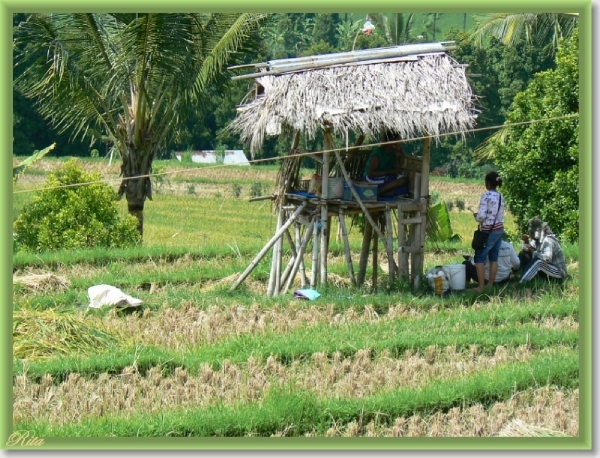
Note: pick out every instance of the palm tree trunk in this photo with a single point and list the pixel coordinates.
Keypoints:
(136, 184)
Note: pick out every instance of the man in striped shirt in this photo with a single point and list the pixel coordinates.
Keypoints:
(546, 253)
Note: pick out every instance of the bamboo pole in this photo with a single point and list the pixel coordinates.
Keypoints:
(274, 273)
(324, 208)
(266, 248)
(364, 253)
(425, 164)
(299, 258)
(402, 255)
(315, 254)
(425, 167)
(375, 267)
(278, 255)
(292, 259)
(298, 227)
(389, 230)
(347, 246)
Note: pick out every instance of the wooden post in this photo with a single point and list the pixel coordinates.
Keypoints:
(274, 268)
(266, 248)
(375, 267)
(303, 281)
(315, 254)
(347, 247)
(420, 242)
(425, 167)
(324, 208)
(364, 253)
(402, 255)
(390, 234)
(299, 258)
(292, 259)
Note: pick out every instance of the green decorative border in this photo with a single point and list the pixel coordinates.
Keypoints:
(583, 442)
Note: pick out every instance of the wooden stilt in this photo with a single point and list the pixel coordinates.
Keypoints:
(299, 239)
(423, 210)
(266, 248)
(278, 249)
(274, 272)
(299, 258)
(315, 255)
(375, 266)
(292, 259)
(364, 253)
(347, 246)
(402, 254)
(324, 209)
(390, 242)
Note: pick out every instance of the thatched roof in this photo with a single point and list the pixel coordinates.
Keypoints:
(414, 94)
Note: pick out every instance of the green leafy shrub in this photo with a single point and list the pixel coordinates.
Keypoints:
(94, 153)
(66, 216)
(237, 190)
(460, 204)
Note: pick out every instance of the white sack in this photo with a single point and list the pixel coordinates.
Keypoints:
(103, 295)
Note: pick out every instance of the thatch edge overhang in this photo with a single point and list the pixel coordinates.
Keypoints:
(425, 94)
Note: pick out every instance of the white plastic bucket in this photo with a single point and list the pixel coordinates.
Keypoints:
(457, 274)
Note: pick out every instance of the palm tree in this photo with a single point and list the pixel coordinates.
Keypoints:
(131, 77)
(396, 27)
(536, 28)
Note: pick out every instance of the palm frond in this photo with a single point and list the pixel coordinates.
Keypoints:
(236, 31)
(509, 28)
(486, 151)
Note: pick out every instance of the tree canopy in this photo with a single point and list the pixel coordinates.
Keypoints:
(539, 161)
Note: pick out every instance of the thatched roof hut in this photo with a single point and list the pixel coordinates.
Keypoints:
(414, 90)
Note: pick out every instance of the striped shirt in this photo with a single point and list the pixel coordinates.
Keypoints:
(491, 211)
(548, 250)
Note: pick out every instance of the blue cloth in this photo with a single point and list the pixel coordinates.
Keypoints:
(310, 195)
(309, 294)
(492, 248)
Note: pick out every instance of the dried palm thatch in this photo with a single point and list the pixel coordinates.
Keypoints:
(41, 283)
(427, 94)
(518, 428)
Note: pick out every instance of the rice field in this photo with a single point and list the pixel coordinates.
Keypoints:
(196, 360)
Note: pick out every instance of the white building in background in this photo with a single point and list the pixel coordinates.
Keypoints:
(232, 157)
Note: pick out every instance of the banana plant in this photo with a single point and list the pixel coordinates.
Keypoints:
(36, 156)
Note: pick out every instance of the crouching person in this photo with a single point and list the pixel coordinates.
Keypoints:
(508, 261)
(545, 252)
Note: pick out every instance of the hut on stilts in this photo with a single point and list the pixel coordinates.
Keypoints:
(417, 91)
